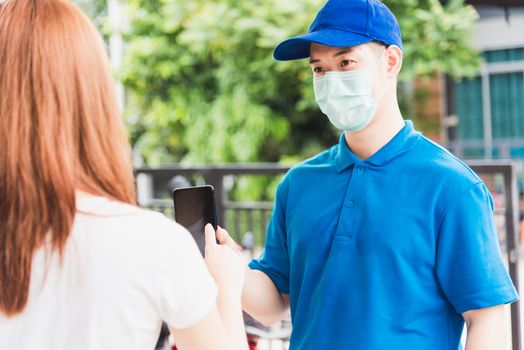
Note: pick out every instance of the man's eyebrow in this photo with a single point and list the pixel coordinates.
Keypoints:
(342, 52)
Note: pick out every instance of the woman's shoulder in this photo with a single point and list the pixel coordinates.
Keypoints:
(128, 225)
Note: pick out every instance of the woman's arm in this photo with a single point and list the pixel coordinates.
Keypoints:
(211, 333)
(223, 327)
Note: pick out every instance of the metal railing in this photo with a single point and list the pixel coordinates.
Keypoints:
(498, 149)
(155, 185)
(510, 211)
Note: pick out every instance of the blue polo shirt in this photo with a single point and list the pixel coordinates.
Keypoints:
(385, 253)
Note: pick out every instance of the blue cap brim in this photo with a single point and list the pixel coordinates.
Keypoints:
(298, 47)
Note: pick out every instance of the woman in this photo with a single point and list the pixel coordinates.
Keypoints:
(81, 267)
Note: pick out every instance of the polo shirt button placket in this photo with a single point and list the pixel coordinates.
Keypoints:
(347, 225)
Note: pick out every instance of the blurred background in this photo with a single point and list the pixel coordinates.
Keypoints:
(198, 84)
(205, 102)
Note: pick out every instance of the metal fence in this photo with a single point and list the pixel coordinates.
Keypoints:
(155, 186)
(479, 149)
(509, 209)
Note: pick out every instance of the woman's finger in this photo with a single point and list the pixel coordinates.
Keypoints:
(210, 236)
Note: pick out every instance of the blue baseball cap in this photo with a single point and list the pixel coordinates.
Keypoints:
(344, 23)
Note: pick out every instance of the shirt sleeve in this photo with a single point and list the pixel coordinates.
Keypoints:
(274, 261)
(187, 290)
(469, 264)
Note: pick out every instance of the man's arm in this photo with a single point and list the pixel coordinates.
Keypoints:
(486, 328)
(262, 300)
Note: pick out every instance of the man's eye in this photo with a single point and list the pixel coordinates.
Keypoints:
(318, 70)
(345, 63)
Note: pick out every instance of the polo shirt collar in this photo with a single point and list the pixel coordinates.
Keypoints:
(398, 145)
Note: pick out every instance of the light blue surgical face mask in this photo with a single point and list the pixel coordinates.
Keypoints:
(345, 97)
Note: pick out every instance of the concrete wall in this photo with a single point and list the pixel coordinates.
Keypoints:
(495, 31)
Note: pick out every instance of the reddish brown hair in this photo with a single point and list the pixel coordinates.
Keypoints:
(59, 132)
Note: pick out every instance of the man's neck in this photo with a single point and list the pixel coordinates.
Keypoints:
(386, 123)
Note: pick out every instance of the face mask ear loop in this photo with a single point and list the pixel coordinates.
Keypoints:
(387, 79)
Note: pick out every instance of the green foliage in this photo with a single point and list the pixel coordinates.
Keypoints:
(437, 37)
(97, 11)
(204, 88)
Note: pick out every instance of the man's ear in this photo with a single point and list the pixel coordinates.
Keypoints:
(393, 60)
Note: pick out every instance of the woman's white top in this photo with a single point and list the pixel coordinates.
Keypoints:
(124, 271)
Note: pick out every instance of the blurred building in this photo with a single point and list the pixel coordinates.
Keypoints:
(483, 117)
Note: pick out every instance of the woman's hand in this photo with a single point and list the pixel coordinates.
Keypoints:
(226, 264)
(224, 238)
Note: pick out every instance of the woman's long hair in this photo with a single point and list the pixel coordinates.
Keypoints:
(60, 131)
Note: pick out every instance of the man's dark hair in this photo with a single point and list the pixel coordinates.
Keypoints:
(381, 43)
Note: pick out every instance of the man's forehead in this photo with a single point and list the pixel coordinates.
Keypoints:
(321, 50)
